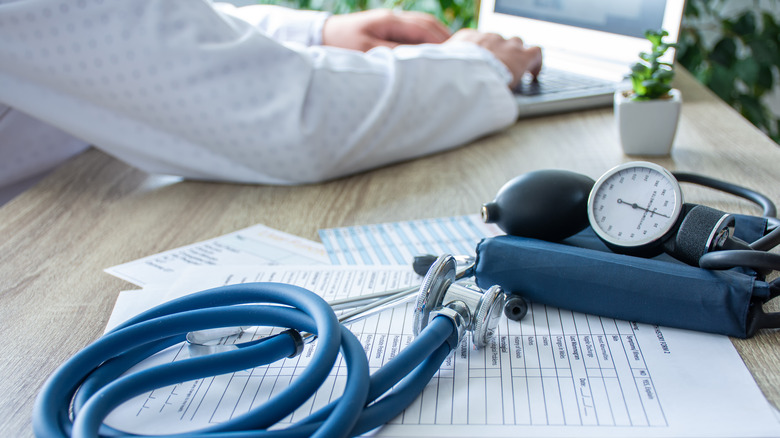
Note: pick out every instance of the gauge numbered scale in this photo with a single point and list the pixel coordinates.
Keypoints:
(635, 207)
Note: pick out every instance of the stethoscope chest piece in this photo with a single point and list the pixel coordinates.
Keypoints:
(467, 306)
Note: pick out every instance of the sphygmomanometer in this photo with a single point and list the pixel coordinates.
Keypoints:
(625, 246)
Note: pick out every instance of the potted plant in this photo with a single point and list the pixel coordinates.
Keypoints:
(647, 114)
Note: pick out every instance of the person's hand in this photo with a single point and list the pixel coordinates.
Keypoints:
(381, 27)
(519, 58)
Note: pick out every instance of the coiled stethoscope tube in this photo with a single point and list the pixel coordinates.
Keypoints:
(766, 204)
(91, 384)
(757, 256)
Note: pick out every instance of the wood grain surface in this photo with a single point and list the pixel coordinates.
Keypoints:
(96, 212)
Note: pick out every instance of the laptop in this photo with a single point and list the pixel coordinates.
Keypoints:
(588, 46)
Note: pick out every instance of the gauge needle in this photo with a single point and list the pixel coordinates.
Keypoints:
(634, 206)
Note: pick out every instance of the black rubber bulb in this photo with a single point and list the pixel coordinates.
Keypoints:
(543, 204)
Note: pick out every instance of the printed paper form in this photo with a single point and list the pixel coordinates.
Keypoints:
(399, 242)
(257, 244)
(556, 373)
(342, 250)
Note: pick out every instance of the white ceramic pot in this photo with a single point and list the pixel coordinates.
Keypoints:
(647, 127)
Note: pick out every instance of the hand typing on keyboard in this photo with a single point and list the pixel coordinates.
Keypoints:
(518, 58)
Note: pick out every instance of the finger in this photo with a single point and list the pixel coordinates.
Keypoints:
(463, 35)
(411, 28)
(494, 40)
(379, 42)
(528, 61)
(535, 65)
(517, 40)
(432, 24)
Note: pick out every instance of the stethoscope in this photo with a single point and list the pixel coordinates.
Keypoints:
(81, 393)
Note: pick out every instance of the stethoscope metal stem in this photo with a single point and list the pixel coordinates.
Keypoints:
(376, 306)
(348, 302)
(363, 311)
(381, 301)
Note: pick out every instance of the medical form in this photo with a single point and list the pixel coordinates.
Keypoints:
(556, 373)
(399, 242)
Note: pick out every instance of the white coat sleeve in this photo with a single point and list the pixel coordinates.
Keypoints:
(282, 24)
(178, 87)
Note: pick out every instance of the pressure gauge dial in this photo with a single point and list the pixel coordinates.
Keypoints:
(635, 207)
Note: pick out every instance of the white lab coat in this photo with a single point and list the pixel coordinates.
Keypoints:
(209, 91)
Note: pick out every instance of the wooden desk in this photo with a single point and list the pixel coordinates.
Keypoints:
(95, 212)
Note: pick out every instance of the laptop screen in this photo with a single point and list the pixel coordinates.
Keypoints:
(604, 35)
(623, 17)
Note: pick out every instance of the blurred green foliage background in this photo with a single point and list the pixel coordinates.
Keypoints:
(736, 53)
(732, 46)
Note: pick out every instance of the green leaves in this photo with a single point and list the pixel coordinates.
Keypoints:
(741, 63)
(724, 52)
(651, 78)
(744, 25)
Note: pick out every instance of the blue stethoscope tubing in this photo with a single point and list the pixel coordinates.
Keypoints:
(91, 383)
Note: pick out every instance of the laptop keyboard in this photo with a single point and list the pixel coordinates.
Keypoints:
(556, 81)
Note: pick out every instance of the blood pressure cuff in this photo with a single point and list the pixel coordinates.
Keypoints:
(582, 275)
